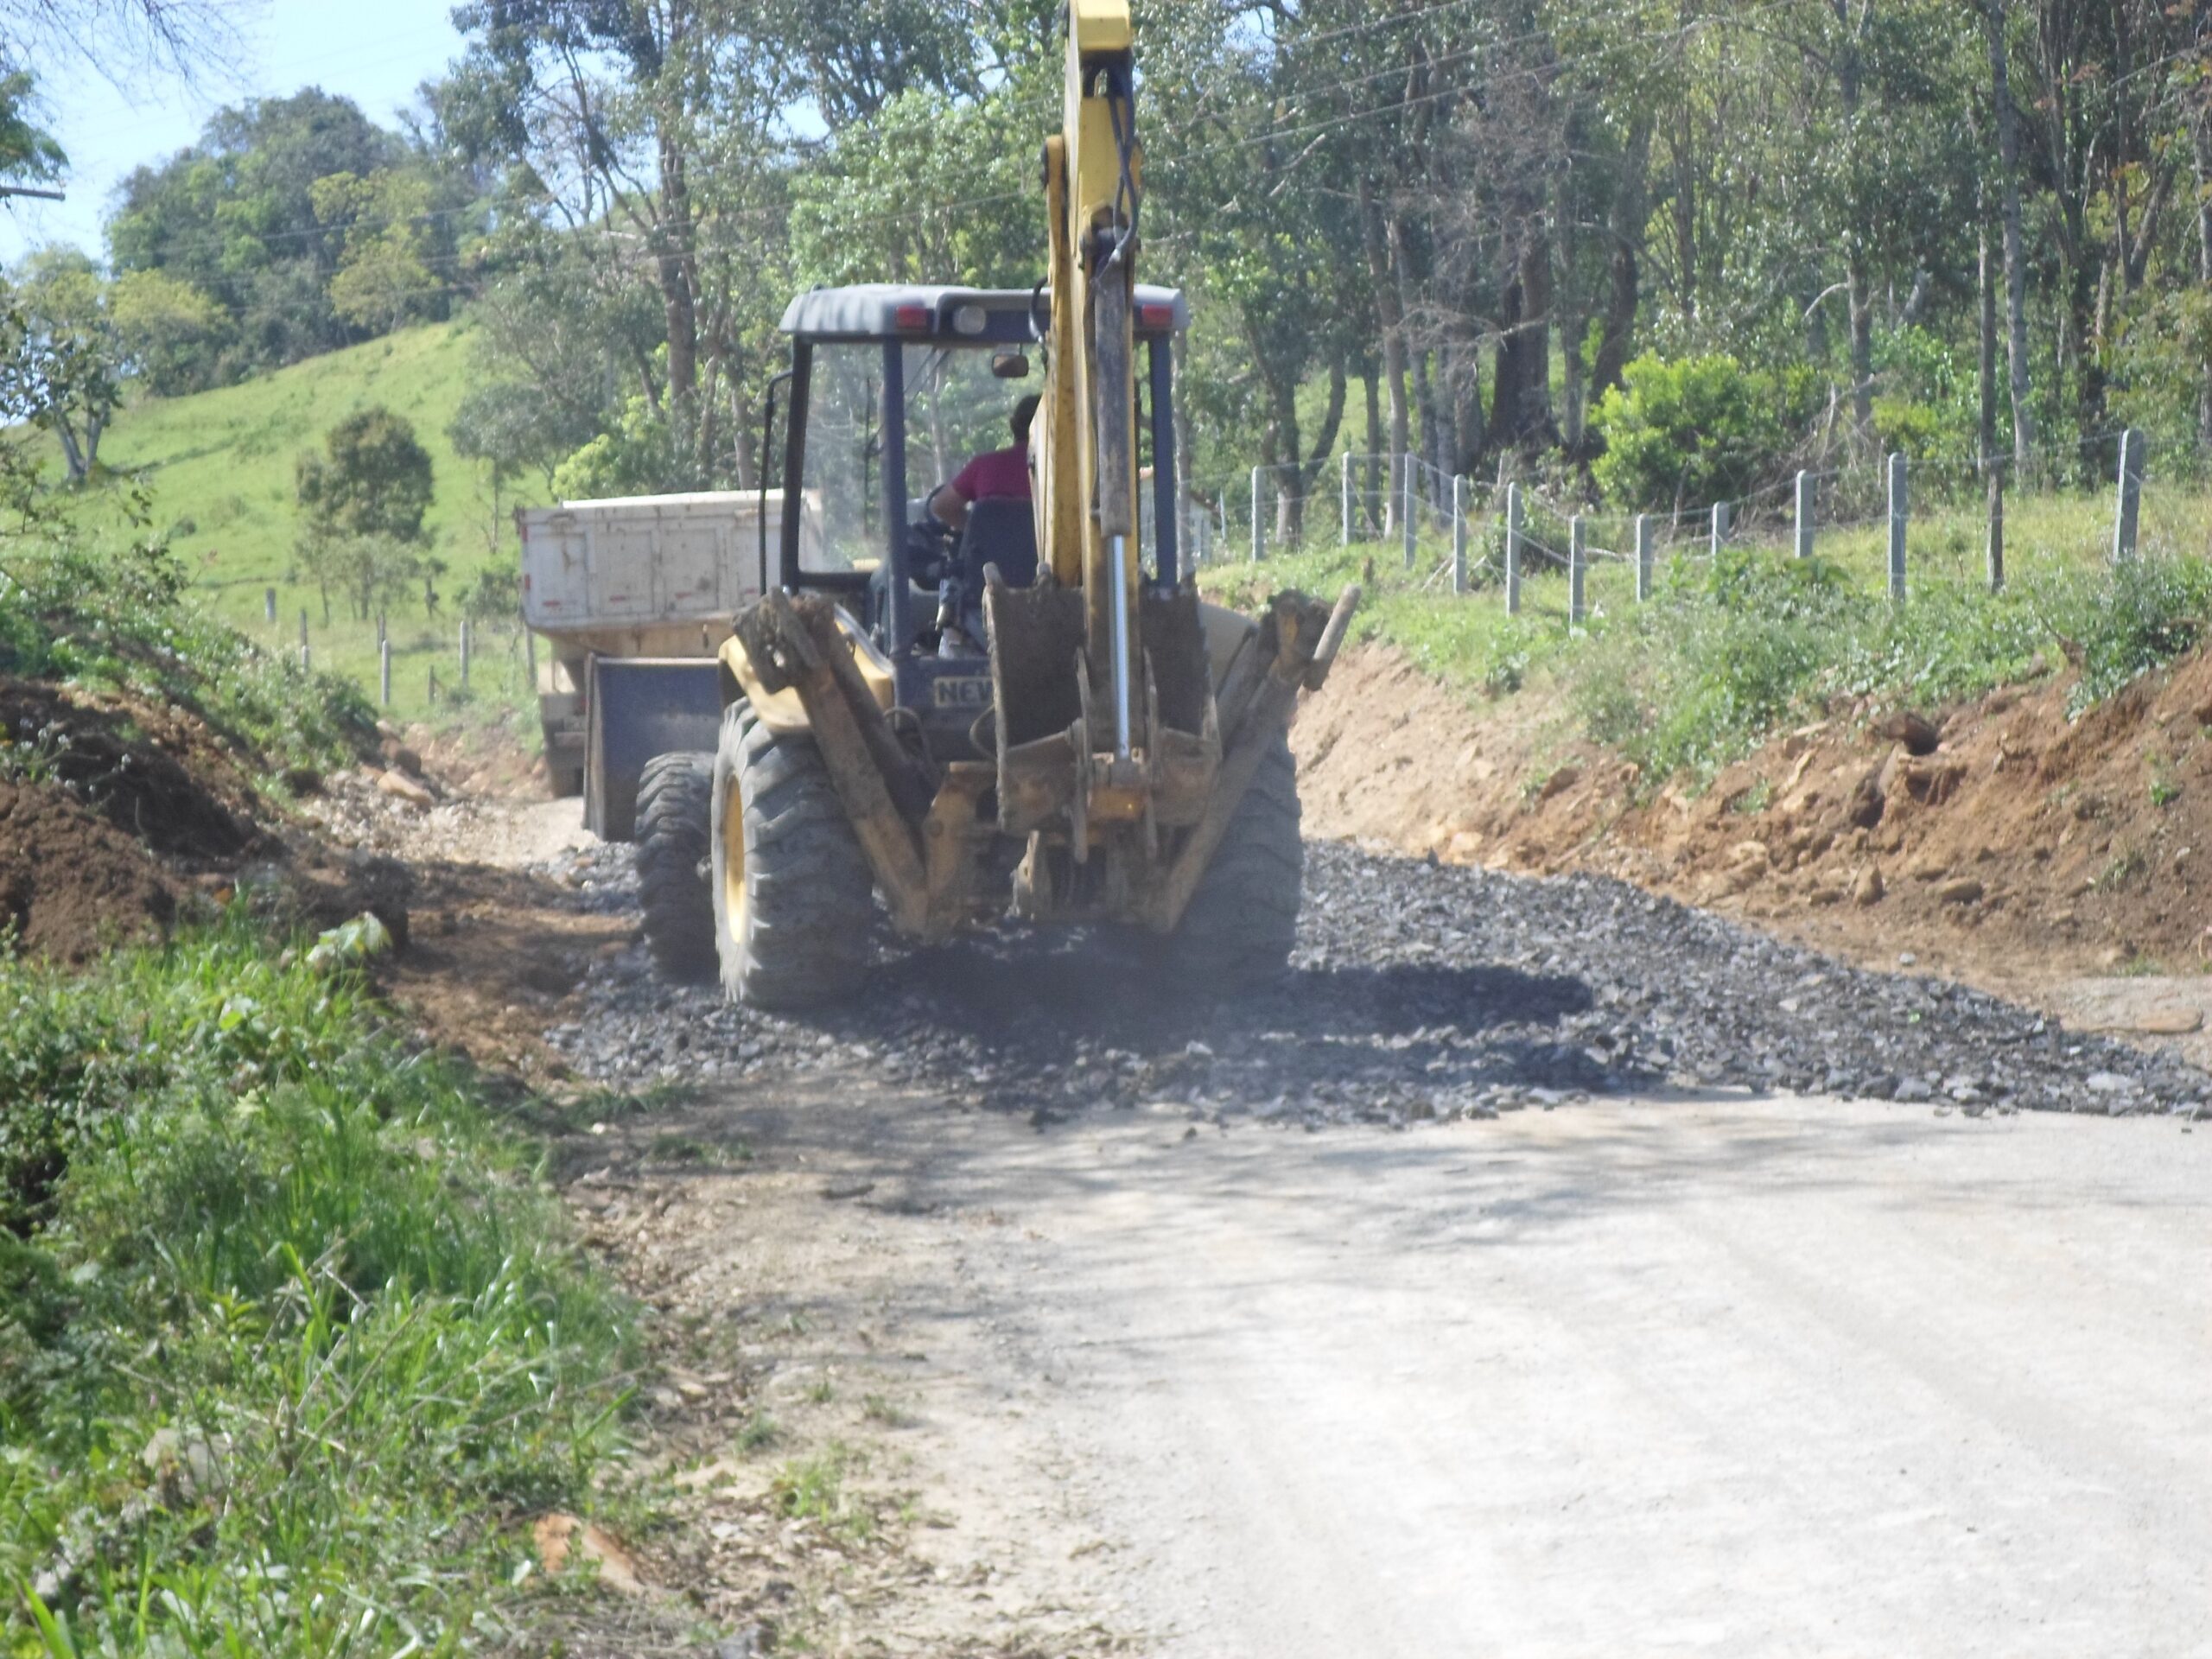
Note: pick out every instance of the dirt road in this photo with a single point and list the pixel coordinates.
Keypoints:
(1697, 1372)
(1725, 1377)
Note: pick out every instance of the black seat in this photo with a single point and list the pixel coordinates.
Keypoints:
(1001, 530)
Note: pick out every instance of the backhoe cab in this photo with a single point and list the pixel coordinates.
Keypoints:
(1036, 714)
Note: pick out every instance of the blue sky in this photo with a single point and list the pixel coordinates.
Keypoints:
(375, 54)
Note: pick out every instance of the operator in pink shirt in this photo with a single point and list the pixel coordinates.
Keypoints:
(999, 474)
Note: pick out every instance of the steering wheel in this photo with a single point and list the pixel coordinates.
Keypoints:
(930, 546)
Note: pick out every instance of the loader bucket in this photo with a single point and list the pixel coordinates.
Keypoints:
(635, 708)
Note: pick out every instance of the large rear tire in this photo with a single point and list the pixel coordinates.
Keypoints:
(794, 902)
(675, 818)
(1239, 928)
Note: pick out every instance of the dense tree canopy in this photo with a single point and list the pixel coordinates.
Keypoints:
(305, 226)
(1446, 228)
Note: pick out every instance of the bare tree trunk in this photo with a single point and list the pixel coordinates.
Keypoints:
(679, 300)
(2016, 270)
(1986, 290)
(1521, 410)
(1464, 380)
(1333, 422)
(2199, 135)
(1624, 231)
(1858, 286)
(1370, 498)
(1379, 268)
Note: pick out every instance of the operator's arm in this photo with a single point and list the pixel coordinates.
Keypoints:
(949, 506)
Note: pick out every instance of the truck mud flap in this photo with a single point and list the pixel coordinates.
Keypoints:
(635, 708)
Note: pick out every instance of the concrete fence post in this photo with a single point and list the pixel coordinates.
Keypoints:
(1642, 558)
(1459, 492)
(307, 661)
(304, 627)
(465, 643)
(269, 603)
(1343, 493)
(1721, 522)
(1411, 513)
(383, 671)
(1898, 510)
(1512, 532)
(1804, 515)
(1255, 515)
(1578, 561)
(1996, 548)
(2130, 508)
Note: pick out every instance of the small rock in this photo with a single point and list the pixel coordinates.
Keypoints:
(1868, 890)
(2106, 1083)
(1917, 733)
(400, 786)
(1559, 782)
(1866, 803)
(1963, 891)
(560, 1537)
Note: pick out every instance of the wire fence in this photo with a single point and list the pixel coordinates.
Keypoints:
(1898, 522)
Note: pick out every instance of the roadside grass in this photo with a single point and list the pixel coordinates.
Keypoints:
(814, 1489)
(1728, 652)
(293, 1342)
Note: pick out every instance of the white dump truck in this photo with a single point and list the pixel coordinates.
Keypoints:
(633, 596)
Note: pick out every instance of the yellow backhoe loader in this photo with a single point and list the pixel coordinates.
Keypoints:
(1034, 713)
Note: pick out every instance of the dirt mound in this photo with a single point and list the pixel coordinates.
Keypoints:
(71, 882)
(111, 812)
(153, 773)
(2021, 845)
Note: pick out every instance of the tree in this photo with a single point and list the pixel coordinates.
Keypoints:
(304, 223)
(654, 136)
(29, 153)
(77, 353)
(387, 269)
(362, 503)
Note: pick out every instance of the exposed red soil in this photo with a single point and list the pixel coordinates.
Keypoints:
(70, 882)
(2023, 845)
(115, 812)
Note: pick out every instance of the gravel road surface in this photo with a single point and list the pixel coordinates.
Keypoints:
(1636, 1284)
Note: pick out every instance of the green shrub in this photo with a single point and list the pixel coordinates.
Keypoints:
(1691, 431)
(2124, 620)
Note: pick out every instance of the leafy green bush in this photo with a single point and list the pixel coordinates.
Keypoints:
(1691, 431)
(289, 1341)
(2124, 620)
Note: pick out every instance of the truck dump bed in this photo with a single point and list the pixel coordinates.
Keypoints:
(645, 580)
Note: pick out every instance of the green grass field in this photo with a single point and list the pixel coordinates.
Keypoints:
(219, 467)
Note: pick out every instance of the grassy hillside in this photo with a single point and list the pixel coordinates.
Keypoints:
(220, 466)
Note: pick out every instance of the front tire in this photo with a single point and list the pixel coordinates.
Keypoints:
(794, 901)
(675, 819)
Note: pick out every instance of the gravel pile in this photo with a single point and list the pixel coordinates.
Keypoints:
(1418, 992)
